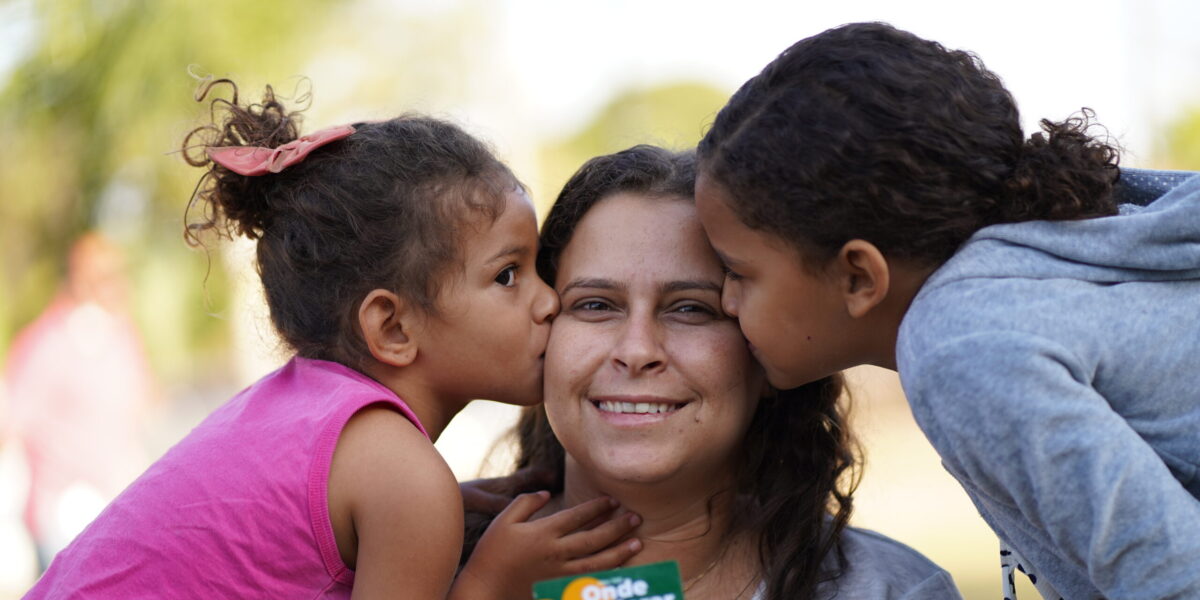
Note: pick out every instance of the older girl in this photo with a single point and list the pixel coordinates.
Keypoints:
(875, 201)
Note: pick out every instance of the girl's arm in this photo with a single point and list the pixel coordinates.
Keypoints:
(1049, 463)
(395, 508)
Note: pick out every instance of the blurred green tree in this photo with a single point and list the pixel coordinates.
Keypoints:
(1183, 142)
(90, 117)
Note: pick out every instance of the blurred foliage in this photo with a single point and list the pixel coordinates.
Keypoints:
(90, 117)
(673, 116)
(1183, 143)
(96, 108)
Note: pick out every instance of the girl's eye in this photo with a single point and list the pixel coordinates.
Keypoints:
(732, 275)
(508, 276)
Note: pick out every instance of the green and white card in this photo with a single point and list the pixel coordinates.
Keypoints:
(657, 581)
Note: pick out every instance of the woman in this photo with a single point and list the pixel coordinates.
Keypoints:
(653, 398)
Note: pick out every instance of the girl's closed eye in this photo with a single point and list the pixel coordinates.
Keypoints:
(730, 274)
(507, 276)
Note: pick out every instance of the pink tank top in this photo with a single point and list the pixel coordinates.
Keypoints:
(239, 508)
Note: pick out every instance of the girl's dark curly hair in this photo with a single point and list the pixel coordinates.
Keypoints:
(378, 209)
(865, 131)
(793, 494)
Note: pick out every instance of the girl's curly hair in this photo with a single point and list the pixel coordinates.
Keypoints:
(865, 131)
(378, 209)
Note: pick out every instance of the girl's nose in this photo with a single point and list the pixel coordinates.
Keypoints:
(729, 299)
(546, 304)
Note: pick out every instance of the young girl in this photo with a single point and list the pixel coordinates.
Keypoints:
(876, 203)
(398, 262)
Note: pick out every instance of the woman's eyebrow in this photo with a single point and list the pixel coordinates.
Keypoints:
(593, 283)
(686, 285)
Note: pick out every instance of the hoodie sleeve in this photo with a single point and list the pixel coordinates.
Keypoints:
(1047, 460)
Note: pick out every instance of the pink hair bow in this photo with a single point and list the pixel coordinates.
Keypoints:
(256, 160)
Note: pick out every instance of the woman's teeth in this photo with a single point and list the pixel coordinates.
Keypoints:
(638, 408)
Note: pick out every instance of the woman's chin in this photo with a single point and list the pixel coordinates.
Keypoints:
(637, 473)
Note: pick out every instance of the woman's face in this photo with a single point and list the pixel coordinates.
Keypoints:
(646, 378)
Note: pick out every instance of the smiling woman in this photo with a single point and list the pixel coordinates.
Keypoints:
(646, 379)
(652, 397)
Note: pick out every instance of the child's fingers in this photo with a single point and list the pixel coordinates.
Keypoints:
(566, 521)
(522, 507)
(590, 541)
(608, 559)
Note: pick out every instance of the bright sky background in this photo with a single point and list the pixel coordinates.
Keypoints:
(1136, 62)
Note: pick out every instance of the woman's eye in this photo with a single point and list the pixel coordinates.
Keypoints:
(694, 312)
(508, 276)
(592, 305)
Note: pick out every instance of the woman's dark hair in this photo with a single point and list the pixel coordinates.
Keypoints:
(793, 490)
(865, 131)
(378, 209)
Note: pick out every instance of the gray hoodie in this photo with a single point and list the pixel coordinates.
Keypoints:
(1055, 367)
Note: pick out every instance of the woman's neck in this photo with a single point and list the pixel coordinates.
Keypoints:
(684, 521)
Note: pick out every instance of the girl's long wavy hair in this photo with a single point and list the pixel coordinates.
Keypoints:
(793, 492)
(868, 132)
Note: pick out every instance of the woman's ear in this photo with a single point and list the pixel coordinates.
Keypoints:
(387, 323)
(863, 277)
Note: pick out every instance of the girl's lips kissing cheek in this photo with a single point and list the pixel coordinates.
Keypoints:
(636, 410)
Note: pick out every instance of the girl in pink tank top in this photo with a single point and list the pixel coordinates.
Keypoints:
(397, 260)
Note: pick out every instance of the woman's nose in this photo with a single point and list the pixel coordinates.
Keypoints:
(639, 349)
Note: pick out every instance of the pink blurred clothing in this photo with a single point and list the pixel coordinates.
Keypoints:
(78, 386)
(239, 508)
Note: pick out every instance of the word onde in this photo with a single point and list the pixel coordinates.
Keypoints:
(658, 581)
(627, 589)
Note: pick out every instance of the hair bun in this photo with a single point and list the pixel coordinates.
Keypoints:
(233, 203)
(1063, 172)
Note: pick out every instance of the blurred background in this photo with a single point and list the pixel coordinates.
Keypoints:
(133, 337)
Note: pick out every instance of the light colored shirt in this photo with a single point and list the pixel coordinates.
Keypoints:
(1053, 365)
(880, 568)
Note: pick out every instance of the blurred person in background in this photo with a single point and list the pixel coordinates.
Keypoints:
(78, 384)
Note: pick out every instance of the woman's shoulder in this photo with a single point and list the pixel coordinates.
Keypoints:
(873, 547)
(879, 567)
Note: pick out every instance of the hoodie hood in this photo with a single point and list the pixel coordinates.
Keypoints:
(1159, 241)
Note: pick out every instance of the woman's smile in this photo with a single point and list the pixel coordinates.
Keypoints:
(633, 411)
